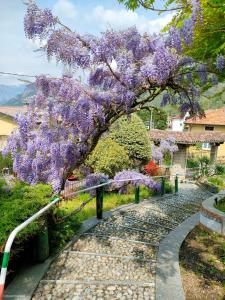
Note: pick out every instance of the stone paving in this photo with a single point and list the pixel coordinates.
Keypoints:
(117, 258)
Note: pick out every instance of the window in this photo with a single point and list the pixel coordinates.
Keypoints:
(206, 146)
(209, 128)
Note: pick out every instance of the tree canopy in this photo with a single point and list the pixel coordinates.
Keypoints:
(125, 71)
(133, 136)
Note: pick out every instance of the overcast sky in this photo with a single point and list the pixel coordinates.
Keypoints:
(85, 16)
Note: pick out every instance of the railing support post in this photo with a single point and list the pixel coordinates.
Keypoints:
(176, 184)
(162, 186)
(137, 194)
(99, 201)
(43, 243)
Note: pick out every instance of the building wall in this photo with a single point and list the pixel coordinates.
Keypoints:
(6, 127)
(200, 127)
(177, 125)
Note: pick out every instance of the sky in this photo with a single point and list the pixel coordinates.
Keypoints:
(17, 53)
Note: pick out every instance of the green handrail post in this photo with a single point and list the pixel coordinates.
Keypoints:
(43, 243)
(176, 184)
(162, 186)
(99, 201)
(137, 194)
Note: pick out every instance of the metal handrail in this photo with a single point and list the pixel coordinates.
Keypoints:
(20, 227)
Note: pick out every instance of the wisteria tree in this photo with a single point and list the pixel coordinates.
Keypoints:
(125, 71)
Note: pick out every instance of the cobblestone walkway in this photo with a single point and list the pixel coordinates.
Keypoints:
(117, 258)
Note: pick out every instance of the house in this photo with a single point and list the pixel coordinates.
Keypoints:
(184, 141)
(177, 123)
(7, 122)
(214, 121)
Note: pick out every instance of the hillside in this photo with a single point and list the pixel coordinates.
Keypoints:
(9, 91)
(20, 99)
(212, 98)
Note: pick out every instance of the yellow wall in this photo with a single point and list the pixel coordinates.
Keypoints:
(6, 127)
(199, 127)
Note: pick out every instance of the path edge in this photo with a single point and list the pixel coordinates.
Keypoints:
(168, 277)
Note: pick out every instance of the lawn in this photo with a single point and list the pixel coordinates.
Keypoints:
(202, 261)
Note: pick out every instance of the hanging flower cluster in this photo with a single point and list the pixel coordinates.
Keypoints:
(167, 146)
(136, 179)
(125, 70)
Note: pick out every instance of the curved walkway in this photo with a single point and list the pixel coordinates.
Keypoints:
(117, 258)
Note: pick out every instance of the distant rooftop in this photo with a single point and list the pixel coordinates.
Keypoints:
(186, 137)
(212, 117)
(12, 110)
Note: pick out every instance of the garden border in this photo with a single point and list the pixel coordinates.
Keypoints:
(30, 277)
(210, 217)
(168, 277)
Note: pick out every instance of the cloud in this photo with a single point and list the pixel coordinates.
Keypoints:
(65, 9)
(122, 18)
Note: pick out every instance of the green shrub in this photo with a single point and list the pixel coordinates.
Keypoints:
(133, 136)
(216, 181)
(18, 205)
(5, 162)
(168, 187)
(220, 169)
(108, 157)
(192, 163)
(204, 160)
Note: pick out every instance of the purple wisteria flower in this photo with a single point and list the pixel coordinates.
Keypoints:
(124, 70)
(134, 178)
(220, 63)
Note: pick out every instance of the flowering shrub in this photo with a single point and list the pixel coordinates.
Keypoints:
(152, 168)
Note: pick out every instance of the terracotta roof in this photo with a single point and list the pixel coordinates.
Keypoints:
(187, 137)
(212, 117)
(12, 110)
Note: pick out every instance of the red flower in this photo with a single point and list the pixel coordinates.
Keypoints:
(151, 168)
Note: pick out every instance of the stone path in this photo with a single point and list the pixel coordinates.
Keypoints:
(117, 258)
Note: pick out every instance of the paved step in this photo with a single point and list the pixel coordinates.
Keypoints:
(111, 229)
(59, 290)
(107, 245)
(91, 267)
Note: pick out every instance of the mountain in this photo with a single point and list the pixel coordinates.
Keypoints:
(212, 98)
(20, 99)
(9, 91)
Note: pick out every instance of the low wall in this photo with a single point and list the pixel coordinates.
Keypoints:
(212, 218)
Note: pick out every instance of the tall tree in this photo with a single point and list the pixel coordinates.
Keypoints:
(125, 72)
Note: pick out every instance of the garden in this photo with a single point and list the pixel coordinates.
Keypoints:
(84, 132)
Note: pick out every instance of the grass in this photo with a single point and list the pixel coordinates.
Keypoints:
(111, 200)
(202, 260)
(221, 205)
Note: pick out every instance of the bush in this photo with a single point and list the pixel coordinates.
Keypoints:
(6, 162)
(108, 157)
(192, 163)
(220, 169)
(18, 205)
(133, 136)
(216, 181)
(152, 168)
(168, 187)
(204, 160)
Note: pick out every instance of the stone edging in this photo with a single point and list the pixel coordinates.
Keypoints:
(212, 218)
(168, 277)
